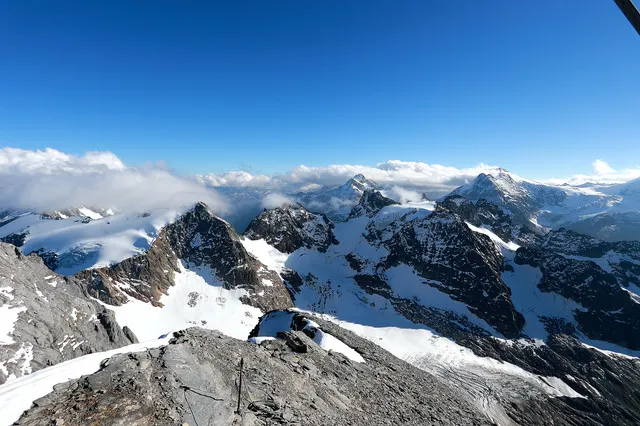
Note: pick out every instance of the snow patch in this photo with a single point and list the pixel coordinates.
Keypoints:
(8, 317)
(197, 299)
(274, 322)
(271, 257)
(509, 246)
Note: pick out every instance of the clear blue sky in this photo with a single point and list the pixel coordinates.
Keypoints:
(540, 87)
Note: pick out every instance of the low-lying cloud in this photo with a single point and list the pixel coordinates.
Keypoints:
(416, 176)
(52, 180)
(603, 173)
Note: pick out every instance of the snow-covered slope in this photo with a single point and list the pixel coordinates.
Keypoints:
(72, 244)
(412, 279)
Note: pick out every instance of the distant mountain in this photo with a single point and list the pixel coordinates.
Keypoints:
(608, 212)
(69, 244)
(290, 227)
(337, 202)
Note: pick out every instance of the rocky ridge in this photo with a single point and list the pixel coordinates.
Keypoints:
(197, 238)
(290, 227)
(286, 381)
(50, 318)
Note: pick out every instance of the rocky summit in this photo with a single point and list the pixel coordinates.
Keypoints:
(196, 379)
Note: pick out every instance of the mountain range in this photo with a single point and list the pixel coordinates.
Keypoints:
(507, 302)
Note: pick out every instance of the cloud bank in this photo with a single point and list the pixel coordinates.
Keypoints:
(603, 173)
(424, 177)
(52, 180)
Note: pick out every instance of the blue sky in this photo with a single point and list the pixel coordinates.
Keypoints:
(542, 88)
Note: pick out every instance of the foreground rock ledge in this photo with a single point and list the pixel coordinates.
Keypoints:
(194, 380)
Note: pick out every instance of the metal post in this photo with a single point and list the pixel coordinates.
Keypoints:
(240, 386)
(631, 12)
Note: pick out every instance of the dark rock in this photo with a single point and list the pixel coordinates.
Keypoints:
(291, 227)
(370, 204)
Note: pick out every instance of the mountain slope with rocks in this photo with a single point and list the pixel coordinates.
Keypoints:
(197, 272)
(47, 318)
(290, 227)
(290, 380)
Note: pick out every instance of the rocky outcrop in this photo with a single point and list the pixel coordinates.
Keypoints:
(484, 213)
(194, 380)
(370, 204)
(291, 227)
(457, 261)
(197, 238)
(49, 318)
(611, 314)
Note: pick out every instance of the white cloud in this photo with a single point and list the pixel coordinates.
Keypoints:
(275, 199)
(603, 173)
(49, 161)
(602, 168)
(51, 180)
(422, 177)
(236, 179)
(403, 195)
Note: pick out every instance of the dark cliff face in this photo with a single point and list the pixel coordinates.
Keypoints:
(610, 312)
(455, 260)
(197, 238)
(370, 204)
(55, 320)
(291, 227)
(484, 213)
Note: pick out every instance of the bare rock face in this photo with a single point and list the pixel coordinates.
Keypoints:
(457, 261)
(290, 227)
(195, 379)
(49, 318)
(611, 314)
(197, 238)
(484, 213)
(370, 204)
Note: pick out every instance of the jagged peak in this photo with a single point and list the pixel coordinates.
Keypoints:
(360, 182)
(359, 177)
(371, 202)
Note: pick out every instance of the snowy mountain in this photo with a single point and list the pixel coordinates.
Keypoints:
(608, 212)
(337, 202)
(519, 321)
(196, 272)
(71, 244)
(409, 275)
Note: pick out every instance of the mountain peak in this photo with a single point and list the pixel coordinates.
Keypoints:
(370, 204)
